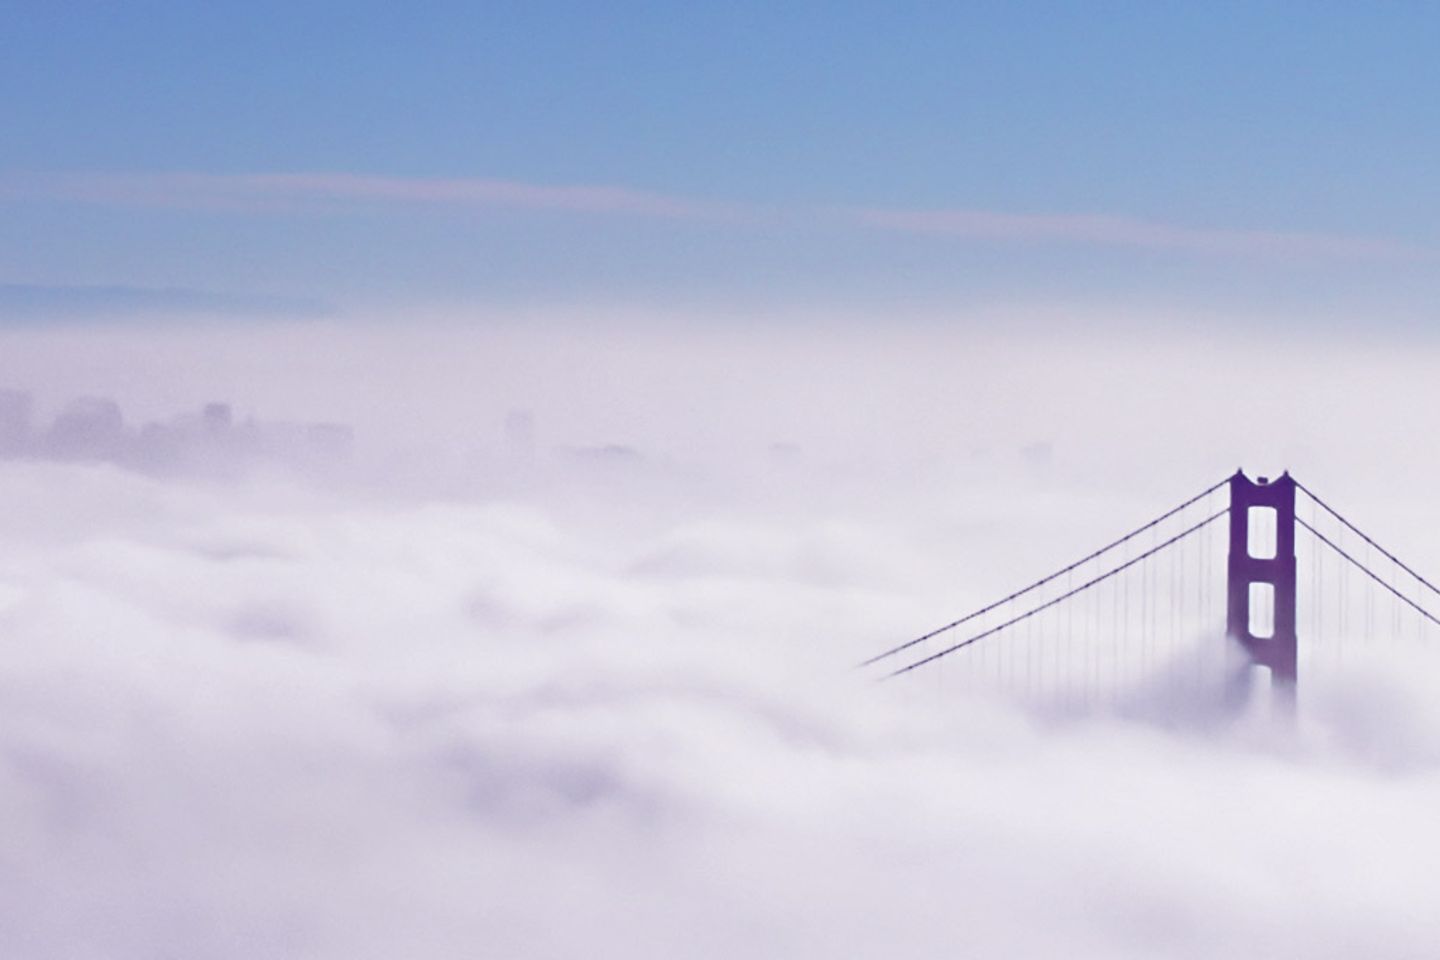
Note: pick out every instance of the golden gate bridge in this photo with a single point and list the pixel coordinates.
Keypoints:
(1208, 594)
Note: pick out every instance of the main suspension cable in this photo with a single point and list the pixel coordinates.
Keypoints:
(1060, 599)
(1368, 572)
(1042, 582)
(1364, 536)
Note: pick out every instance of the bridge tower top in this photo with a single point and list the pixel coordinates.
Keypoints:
(1261, 601)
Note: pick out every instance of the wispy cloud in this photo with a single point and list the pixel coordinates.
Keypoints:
(21, 302)
(1102, 230)
(270, 193)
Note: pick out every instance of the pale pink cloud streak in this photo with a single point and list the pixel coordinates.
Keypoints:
(1102, 230)
(268, 192)
(301, 192)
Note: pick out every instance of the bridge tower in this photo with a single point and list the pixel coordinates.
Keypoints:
(1266, 630)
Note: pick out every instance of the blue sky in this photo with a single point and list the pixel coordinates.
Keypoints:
(1265, 156)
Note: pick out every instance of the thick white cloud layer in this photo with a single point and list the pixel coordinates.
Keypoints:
(610, 714)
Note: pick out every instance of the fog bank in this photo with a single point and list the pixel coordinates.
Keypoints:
(473, 700)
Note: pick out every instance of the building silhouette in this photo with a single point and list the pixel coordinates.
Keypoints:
(17, 410)
(90, 428)
(208, 443)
